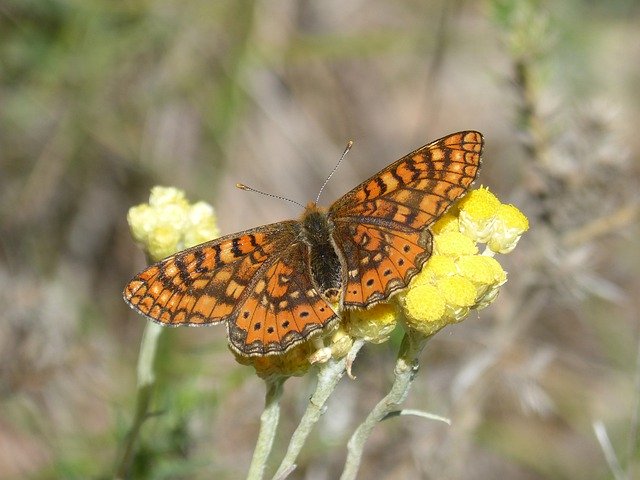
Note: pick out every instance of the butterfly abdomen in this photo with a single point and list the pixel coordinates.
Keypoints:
(323, 260)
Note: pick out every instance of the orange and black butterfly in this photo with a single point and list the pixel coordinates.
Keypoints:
(277, 285)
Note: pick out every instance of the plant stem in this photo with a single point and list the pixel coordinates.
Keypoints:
(146, 382)
(405, 371)
(328, 377)
(633, 451)
(268, 426)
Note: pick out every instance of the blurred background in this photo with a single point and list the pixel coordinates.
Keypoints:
(100, 100)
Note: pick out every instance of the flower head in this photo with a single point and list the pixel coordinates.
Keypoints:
(477, 212)
(373, 325)
(169, 223)
(509, 225)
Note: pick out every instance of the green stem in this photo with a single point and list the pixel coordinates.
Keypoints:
(268, 426)
(405, 371)
(328, 377)
(146, 382)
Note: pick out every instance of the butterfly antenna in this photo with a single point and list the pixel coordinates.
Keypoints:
(242, 186)
(344, 154)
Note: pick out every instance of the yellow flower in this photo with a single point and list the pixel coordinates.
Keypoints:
(447, 223)
(425, 309)
(202, 220)
(485, 273)
(457, 290)
(167, 196)
(438, 266)
(169, 223)
(477, 211)
(163, 241)
(373, 325)
(509, 225)
(453, 244)
(481, 269)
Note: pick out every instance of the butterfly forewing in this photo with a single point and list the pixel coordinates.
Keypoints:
(380, 225)
(204, 284)
(419, 187)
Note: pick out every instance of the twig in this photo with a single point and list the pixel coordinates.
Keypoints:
(405, 371)
(268, 426)
(328, 377)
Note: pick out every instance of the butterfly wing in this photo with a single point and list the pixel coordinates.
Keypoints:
(283, 309)
(237, 279)
(203, 284)
(380, 226)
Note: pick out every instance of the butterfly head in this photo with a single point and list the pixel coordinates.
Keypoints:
(315, 224)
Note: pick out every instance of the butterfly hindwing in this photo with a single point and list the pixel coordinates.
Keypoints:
(389, 213)
(379, 260)
(283, 308)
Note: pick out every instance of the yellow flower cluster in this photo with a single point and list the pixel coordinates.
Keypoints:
(457, 278)
(169, 223)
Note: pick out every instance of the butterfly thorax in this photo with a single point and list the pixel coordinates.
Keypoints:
(323, 260)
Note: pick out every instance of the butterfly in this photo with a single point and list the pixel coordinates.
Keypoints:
(278, 285)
